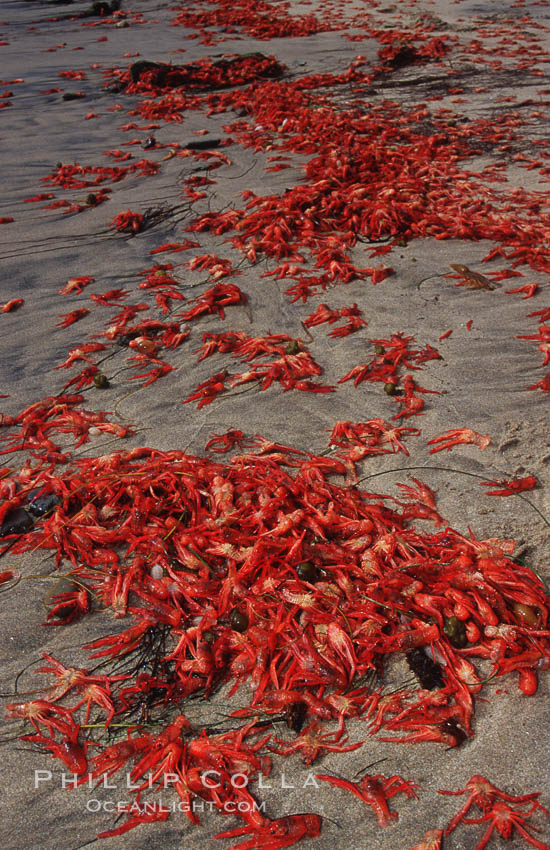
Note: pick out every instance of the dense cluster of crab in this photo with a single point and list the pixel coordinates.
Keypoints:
(264, 573)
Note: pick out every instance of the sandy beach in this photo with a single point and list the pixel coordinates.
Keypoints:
(105, 183)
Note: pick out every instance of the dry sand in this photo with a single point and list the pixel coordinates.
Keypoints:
(482, 377)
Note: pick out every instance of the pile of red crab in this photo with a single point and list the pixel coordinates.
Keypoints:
(264, 575)
(230, 71)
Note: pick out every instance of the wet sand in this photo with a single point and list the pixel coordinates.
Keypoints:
(482, 377)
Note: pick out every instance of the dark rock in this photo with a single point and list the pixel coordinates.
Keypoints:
(15, 522)
(41, 504)
(203, 144)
